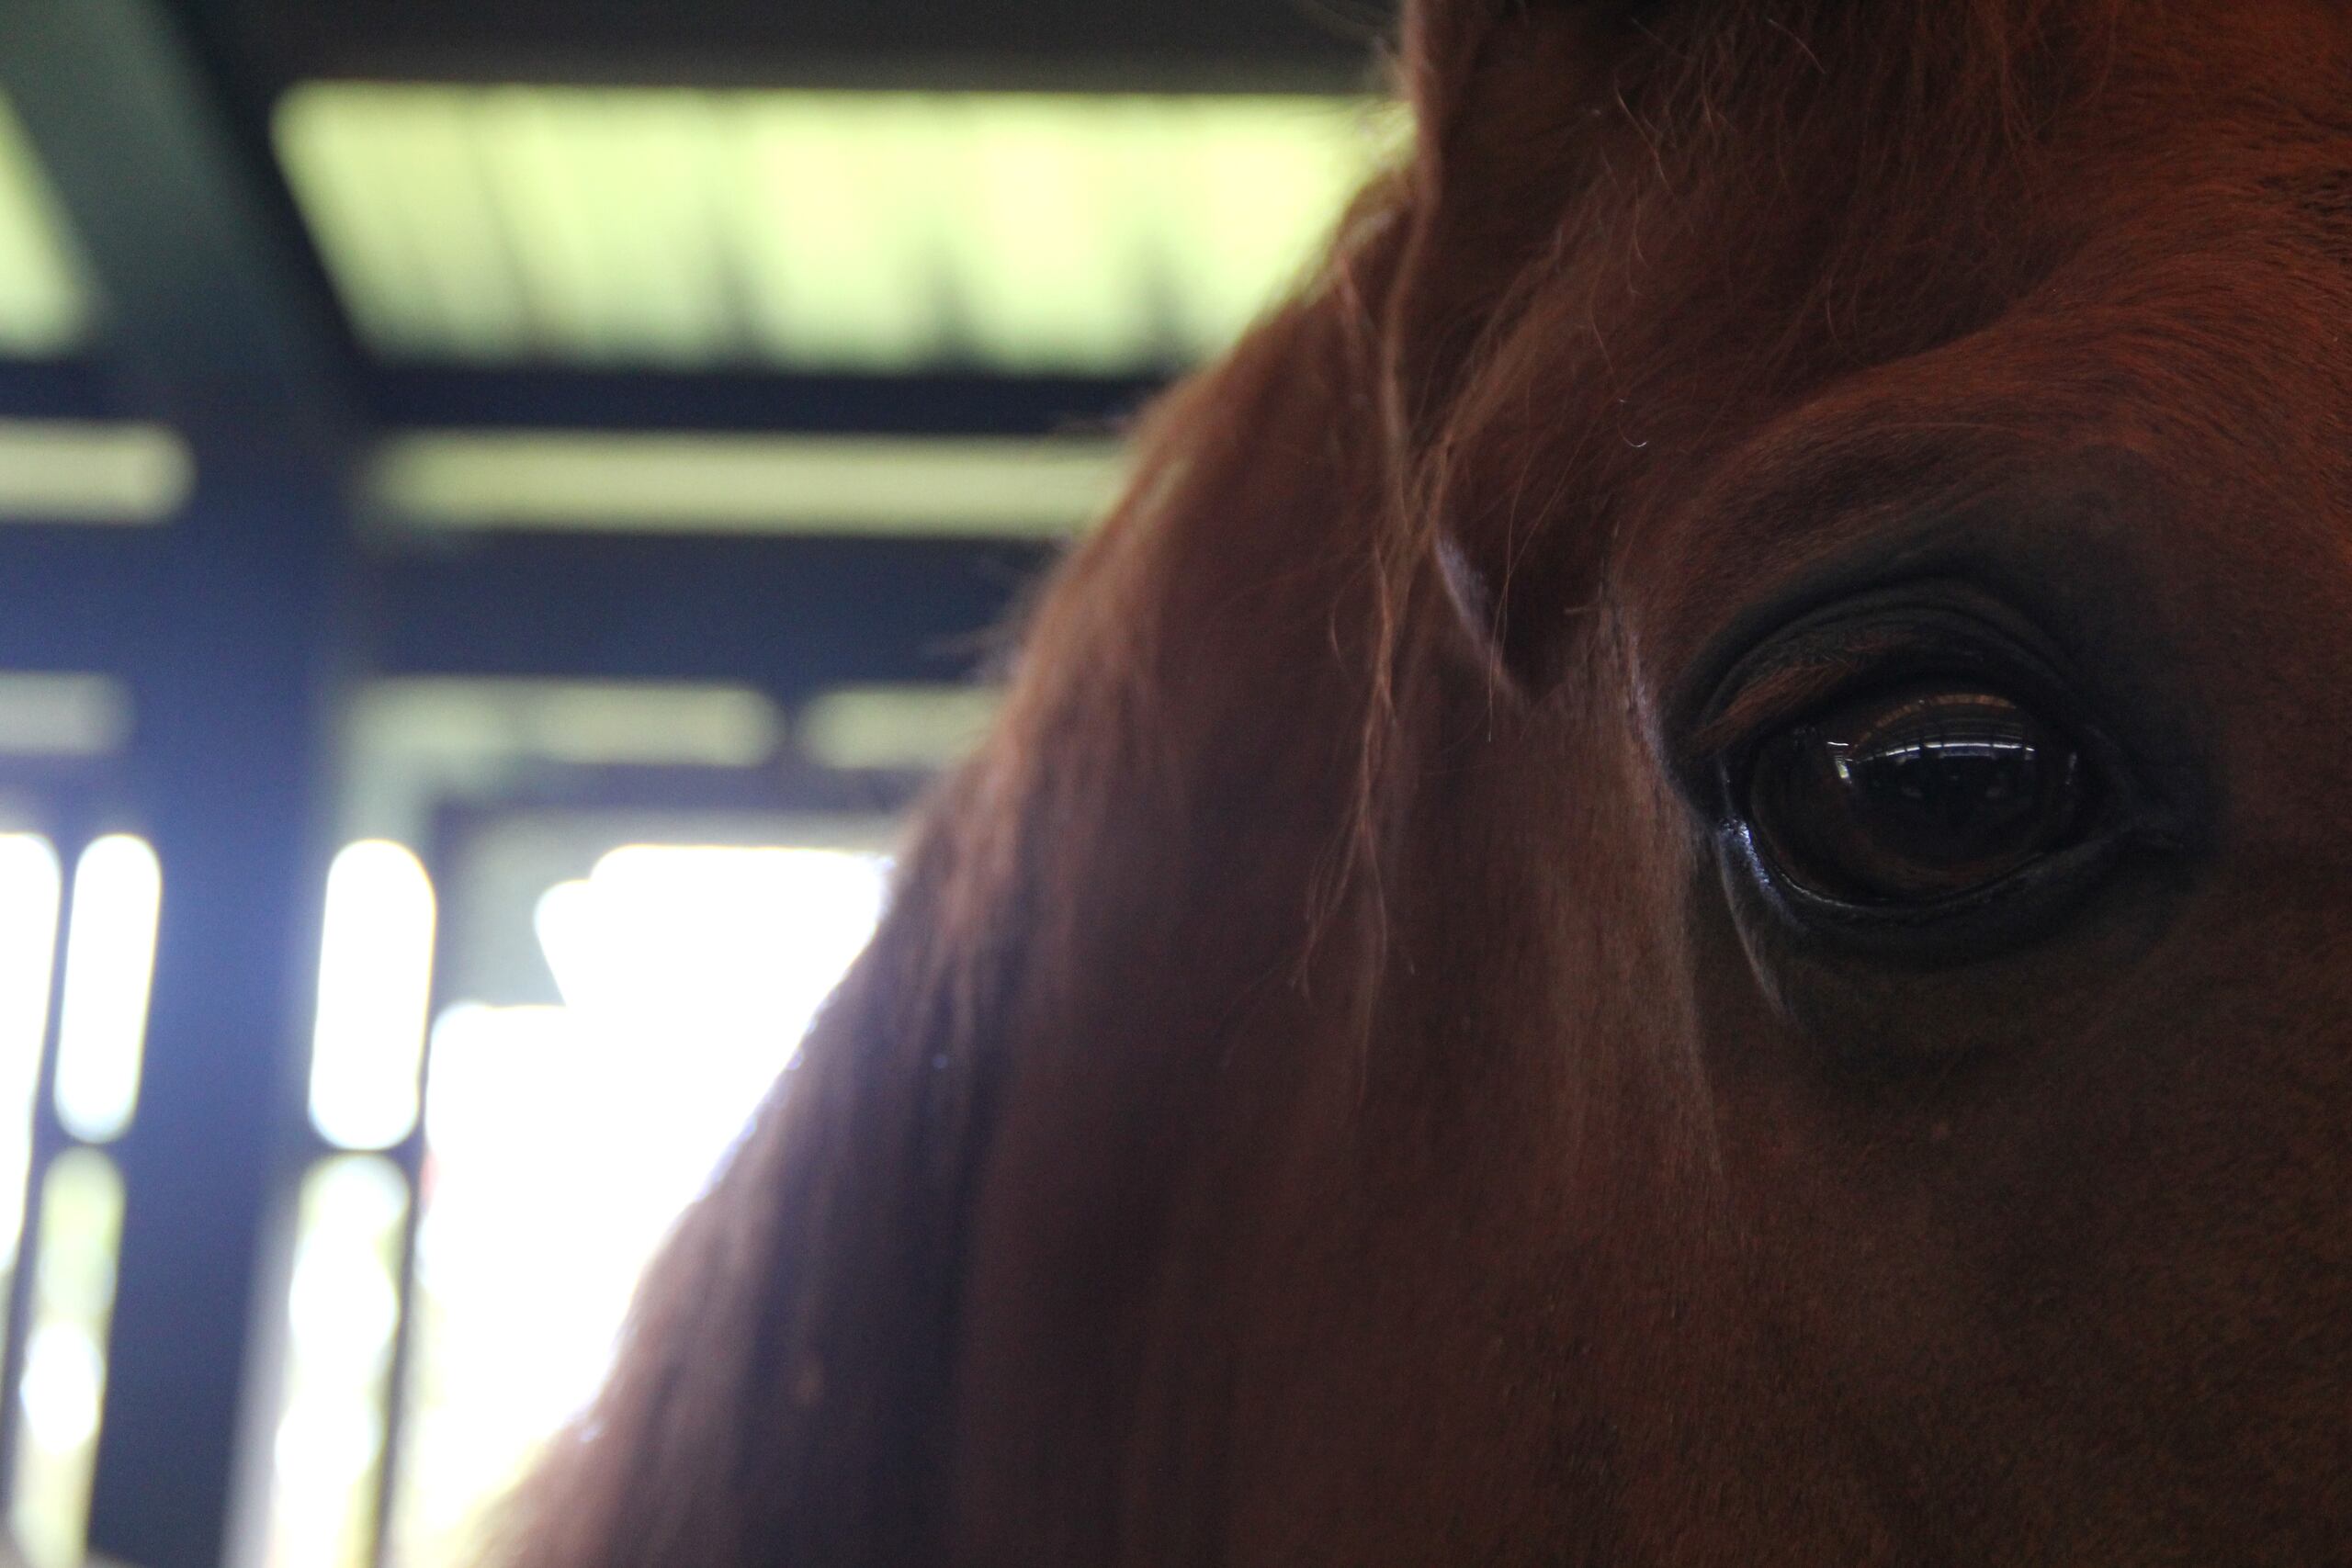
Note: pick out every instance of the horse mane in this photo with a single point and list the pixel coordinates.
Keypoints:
(776, 1396)
(783, 1390)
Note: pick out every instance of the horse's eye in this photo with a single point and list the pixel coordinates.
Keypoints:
(1919, 796)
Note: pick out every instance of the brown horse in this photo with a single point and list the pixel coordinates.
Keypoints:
(1675, 890)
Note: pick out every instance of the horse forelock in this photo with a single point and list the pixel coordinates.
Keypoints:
(1711, 210)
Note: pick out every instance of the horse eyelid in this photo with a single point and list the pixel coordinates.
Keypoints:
(1784, 694)
(1786, 689)
(1935, 628)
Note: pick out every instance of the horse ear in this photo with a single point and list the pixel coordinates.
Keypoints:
(1489, 81)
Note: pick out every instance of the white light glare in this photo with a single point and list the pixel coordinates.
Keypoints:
(60, 1395)
(565, 1140)
(734, 947)
(375, 985)
(65, 1377)
(109, 964)
(30, 885)
(343, 1321)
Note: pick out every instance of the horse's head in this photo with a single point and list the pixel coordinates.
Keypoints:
(1676, 891)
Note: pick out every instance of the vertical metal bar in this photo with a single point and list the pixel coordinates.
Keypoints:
(231, 656)
(230, 763)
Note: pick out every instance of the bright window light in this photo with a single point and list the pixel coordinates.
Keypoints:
(471, 724)
(738, 941)
(63, 716)
(876, 231)
(1048, 488)
(30, 888)
(63, 1387)
(343, 1321)
(904, 729)
(44, 308)
(423, 739)
(64, 1384)
(563, 1141)
(32, 884)
(109, 964)
(375, 987)
(56, 471)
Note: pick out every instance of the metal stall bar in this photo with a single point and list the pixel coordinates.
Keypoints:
(791, 616)
(227, 639)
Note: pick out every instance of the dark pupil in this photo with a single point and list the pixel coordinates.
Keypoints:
(1914, 797)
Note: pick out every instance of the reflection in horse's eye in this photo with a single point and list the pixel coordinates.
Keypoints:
(1915, 796)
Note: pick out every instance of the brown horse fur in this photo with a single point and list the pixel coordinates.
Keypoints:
(1324, 1094)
